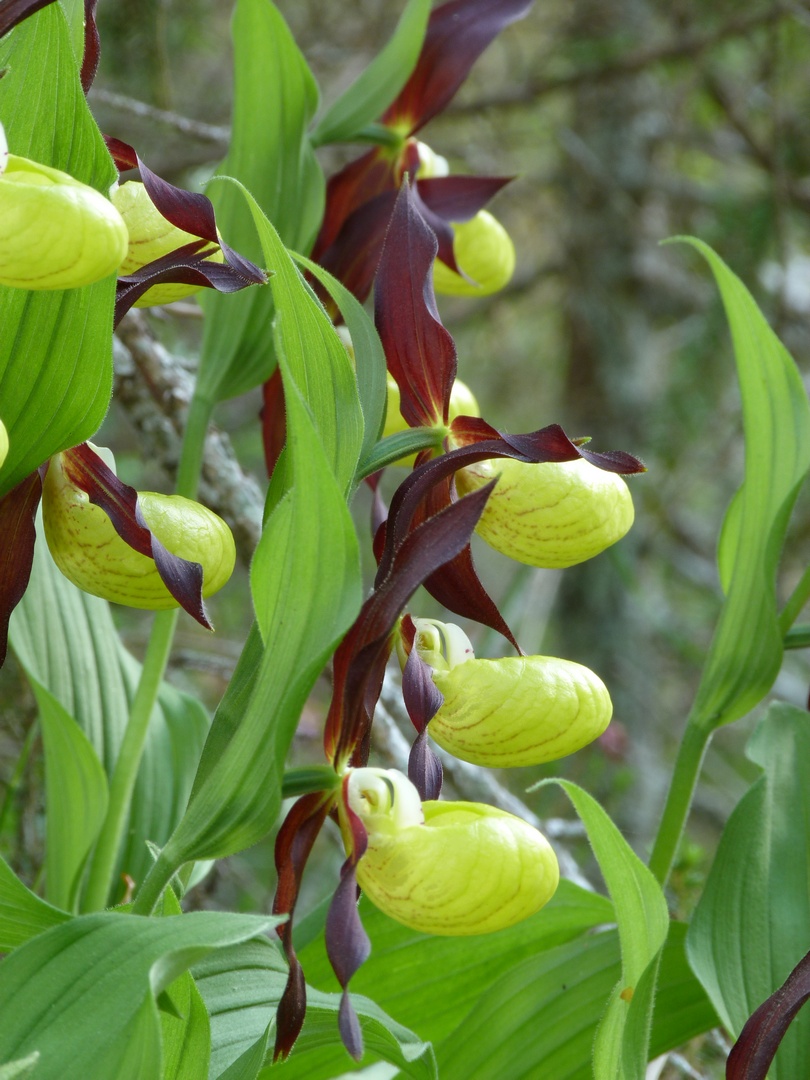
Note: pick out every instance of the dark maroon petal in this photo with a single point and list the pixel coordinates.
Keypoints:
(347, 943)
(13, 12)
(424, 768)
(356, 184)
(360, 659)
(92, 45)
(459, 198)
(292, 1009)
(753, 1052)
(119, 501)
(293, 846)
(187, 210)
(419, 352)
(457, 587)
(354, 256)
(456, 36)
(349, 1027)
(422, 697)
(18, 509)
(453, 198)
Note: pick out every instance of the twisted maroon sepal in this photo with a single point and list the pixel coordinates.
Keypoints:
(183, 578)
(347, 943)
(753, 1052)
(423, 699)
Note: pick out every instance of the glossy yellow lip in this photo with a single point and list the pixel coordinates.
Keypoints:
(55, 232)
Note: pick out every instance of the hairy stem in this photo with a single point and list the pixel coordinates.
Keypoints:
(679, 799)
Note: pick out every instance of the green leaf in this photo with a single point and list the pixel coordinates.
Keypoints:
(522, 1002)
(67, 642)
(83, 994)
(275, 97)
(23, 914)
(305, 580)
(371, 94)
(14, 1070)
(315, 359)
(621, 1046)
(187, 1037)
(242, 988)
(76, 797)
(369, 357)
(746, 651)
(56, 346)
(750, 927)
(454, 975)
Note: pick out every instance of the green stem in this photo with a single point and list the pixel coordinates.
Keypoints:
(679, 799)
(153, 885)
(798, 598)
(15, 780)
(125, 773)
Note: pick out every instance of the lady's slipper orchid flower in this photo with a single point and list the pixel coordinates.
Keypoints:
(510, 712)
(359, 199)
(130, 562)
(554, 514)
(55, 232)
(151, 237)
(449, 868)
(484, 254)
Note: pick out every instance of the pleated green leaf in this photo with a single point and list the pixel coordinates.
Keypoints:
(622, 1040)
(16, 1070)
(746, 651)
(23, 914)
(76, 796)
(371, 94)
(67, 642)
(186, 1038)
(95, 1015)
(369, 357)
(750, 927)
(305, 580)
(55, 346)
(275, 98)
(524, 1002)
(242, 988)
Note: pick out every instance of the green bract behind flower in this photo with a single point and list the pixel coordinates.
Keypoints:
(466, 869)
(554, 514)
(92, 555)
(484, 251)
(462, 403)
(55, 232)
(151, 237)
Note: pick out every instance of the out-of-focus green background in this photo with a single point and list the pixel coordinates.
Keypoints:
(623, 122)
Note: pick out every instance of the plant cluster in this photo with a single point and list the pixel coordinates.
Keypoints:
(106, 976)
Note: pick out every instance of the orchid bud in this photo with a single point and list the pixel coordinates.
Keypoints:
(462, 403)
(3, 443)
(552, 514)
(151, 237)
(484, 251)
(515, 711)
(450, 868)
(91, 554)
(55, 232)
